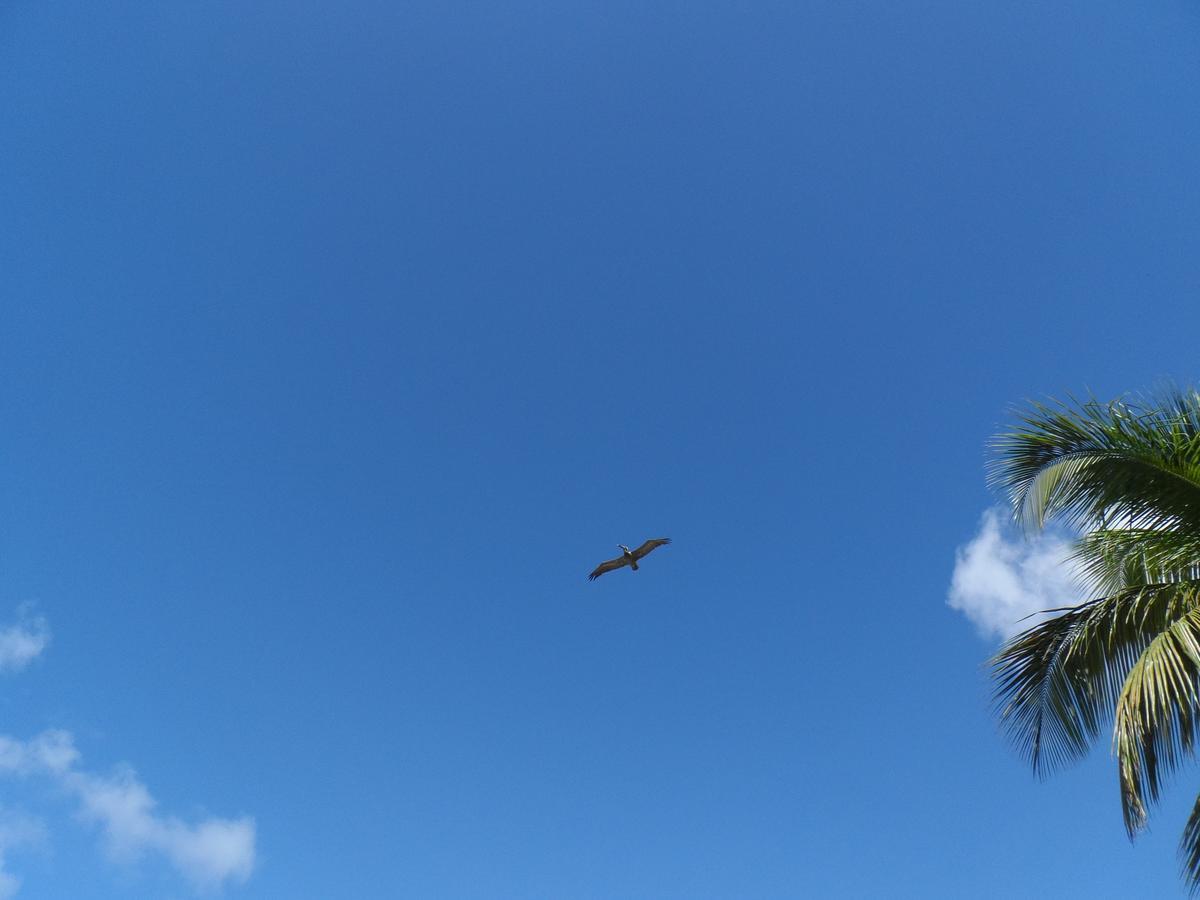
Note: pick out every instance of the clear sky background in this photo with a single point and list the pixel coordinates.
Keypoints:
(339, 342)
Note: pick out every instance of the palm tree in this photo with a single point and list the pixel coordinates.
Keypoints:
(1126, 474)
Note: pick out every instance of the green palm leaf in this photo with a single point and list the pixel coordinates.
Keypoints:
(1189, 848)
(1126, 474)
(1156, 714)
(1112, 559)
(1089, 464)
(1058, 682)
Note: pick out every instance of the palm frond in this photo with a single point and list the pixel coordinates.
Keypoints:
(1110, 559)
(1058, 682)
(1127, 475)
(1157, 714)
(1086, 461)
(1189, 850)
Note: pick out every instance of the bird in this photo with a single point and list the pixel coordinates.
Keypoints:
(628, 557)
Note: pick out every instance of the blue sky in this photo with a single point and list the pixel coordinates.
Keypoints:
(339, 343)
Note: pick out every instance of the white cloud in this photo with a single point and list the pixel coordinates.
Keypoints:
(208, 853)
(212, 851)
(1000, 578)
(16, 830)
(51, 751)
(23, 641)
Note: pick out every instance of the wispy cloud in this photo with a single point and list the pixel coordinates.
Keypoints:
(1001, 578)
(16, 830)
(50, 752)
(208, 853)
(23, 641)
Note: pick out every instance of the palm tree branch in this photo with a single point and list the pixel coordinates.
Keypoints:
(1155, 719)
(1114, 558)
(1056, 682)
(1088, 461)
(1189, 849)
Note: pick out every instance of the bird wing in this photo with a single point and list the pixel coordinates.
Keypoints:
(608, 566)
(648, 546)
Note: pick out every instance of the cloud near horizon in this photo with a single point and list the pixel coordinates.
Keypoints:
(1001, 578)
(16, 830)
(208, 853)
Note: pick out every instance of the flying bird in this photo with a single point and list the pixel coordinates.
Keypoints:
(628, 557)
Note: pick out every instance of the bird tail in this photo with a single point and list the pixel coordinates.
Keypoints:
(633, 565)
